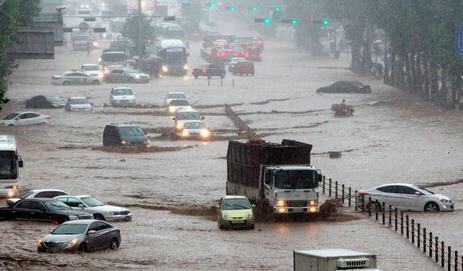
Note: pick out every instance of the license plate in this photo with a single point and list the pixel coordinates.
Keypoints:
(237, 221)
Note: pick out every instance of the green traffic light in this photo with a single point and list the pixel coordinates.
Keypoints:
(253, 8)
(326, 22)
(212, 4)
(277, 8)
(267, 20)
(294, 21)
(231, 8)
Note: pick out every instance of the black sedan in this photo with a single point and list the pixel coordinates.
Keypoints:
(48, 210)
(209, 70)
(81, 235)
(42, 101)
(345, 87)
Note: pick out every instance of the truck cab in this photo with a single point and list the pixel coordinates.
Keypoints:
(10, 161)
(291, 188)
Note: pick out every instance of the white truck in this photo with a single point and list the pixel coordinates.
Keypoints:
(10, 162)
(277, 177)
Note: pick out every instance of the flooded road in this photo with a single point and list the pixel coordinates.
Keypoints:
(171, 190)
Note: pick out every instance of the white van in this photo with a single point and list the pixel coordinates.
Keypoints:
(10, 162)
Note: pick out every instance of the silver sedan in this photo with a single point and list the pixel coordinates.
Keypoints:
(81, 235)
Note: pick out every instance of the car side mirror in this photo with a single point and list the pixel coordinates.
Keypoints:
(90, 232)
(253, 205)
(81, 206)
(173, 118)
(20, 163)
(418, 193)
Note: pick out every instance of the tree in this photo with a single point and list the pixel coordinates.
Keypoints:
(132, 30)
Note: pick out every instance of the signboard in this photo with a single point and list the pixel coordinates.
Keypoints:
(459, 41)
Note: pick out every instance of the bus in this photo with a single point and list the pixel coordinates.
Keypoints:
(10, 162)
(173, 56)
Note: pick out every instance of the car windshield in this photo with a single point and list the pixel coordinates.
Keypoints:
(56, 205)
(131, 131)
(133, 71)
(92, 202)
(295, 179)
(194, 125)
(70, 229)
(11, 116)
(236, 204)
(25, 195)
(188, 116)
(429, 191)
(78, 101)
(123, 91)
(91, 68)
(176, 96)
(179, 103)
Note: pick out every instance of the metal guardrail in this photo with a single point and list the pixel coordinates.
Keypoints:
(242, 125)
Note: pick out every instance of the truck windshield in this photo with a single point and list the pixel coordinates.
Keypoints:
(113, 57)
(8, 166)
(295, 179)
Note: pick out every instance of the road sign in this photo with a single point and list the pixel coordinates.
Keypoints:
(459, 40)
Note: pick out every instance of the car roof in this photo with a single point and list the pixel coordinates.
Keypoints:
(401, 184)
(82, 221)
(71, 98)
(121, 87)
(234, 197)
(178, 99)
(187, 111)
(45, 189)
(175, 92)
(40, 199)
(122, 125)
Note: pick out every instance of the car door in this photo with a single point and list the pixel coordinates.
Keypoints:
(37, 211)
(104, 229)
(93, 239)
(21, 119)
(21, 210)
(387, 194)
(34, 118)
(409, 199)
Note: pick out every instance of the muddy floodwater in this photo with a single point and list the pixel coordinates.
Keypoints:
(171, 188)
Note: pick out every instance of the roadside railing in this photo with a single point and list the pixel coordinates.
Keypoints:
(400, 222)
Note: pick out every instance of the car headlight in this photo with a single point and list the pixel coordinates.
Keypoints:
(179, 126)
(225, 216)
(185, 133)
(164, 68)
(72, 243)
(39, 242)
(312, 203)
(73, 217)
(185, 67)
(147, 143)
(171, 109)
(123, 142)
(280, 203)
(95, 43)
(205, 133)
(249, 216)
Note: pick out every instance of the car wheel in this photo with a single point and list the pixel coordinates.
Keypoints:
(431, 207)
(10, 125)
(99, 217)
(114, 244)
(83, 247)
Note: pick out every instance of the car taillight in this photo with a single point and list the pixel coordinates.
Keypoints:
(204, 70)
(359, 194)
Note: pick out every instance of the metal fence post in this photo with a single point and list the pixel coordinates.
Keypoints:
(350, 197)
(407, 227)
(442, 252)
(413, 231)
(342, 193)
(336, 189)
(430, 244)
(395, 220)
(436, 248)
(323, 185)
(390, 215)
(449, 257)
(456, 260)
(329, 187)
(383, 207)
(419, 234)
(369, 206)
(355, 193)
(401, 223)
(424, 240)
(376, 211)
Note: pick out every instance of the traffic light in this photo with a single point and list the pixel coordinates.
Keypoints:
(211, 4)
(267, 21)
(277, 9)
(293, 21)
(325, 22)
(253, 8)
(231, 8)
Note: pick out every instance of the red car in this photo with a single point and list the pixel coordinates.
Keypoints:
(244, 67)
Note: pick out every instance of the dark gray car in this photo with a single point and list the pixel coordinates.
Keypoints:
(82, 235)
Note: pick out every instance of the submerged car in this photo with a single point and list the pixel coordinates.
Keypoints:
(37, 193)
(184, 116)
(126, 75)
(180, 105)
(122, 96)
(48, 210)
(244, 67)
(78, 104)
(209, 70)
(345, 87)
(121, 134)
(98, 209)
(75, 78)
(23, 118)
(174, 96)
(405, 197)
(194, 129)
(81, 235)
(235, 212)
(92, 70)
(42, 101)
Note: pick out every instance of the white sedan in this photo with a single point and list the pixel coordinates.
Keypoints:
(78, 104)
(406, 197)
(194, 129)
(98, 209)
(174, 95)
(180, 105)
(23, 118)
(121, 96)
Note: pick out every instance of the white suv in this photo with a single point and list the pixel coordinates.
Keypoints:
(121, 96)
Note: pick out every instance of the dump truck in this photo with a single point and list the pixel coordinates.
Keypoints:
(276, 177)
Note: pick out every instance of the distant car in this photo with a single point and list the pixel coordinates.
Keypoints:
(126, 76)
(122, 96)
(78, 104)
(235, 212)
(345, 87)
(183, 116)
(81, 235)
(98, 209)
(48, 210)
(233, 61)
(406, 197)
(75, 78)
(115, 134)
(180, 105)
(209, 70)
(244, 67)
(92, 70)
(37, 193)
(194, 129)
(42, 101)
(23, 118)
(174, 95)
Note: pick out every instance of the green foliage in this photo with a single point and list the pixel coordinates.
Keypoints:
(12, 14)
(132, 29)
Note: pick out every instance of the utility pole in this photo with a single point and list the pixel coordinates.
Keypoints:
(139, 32)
